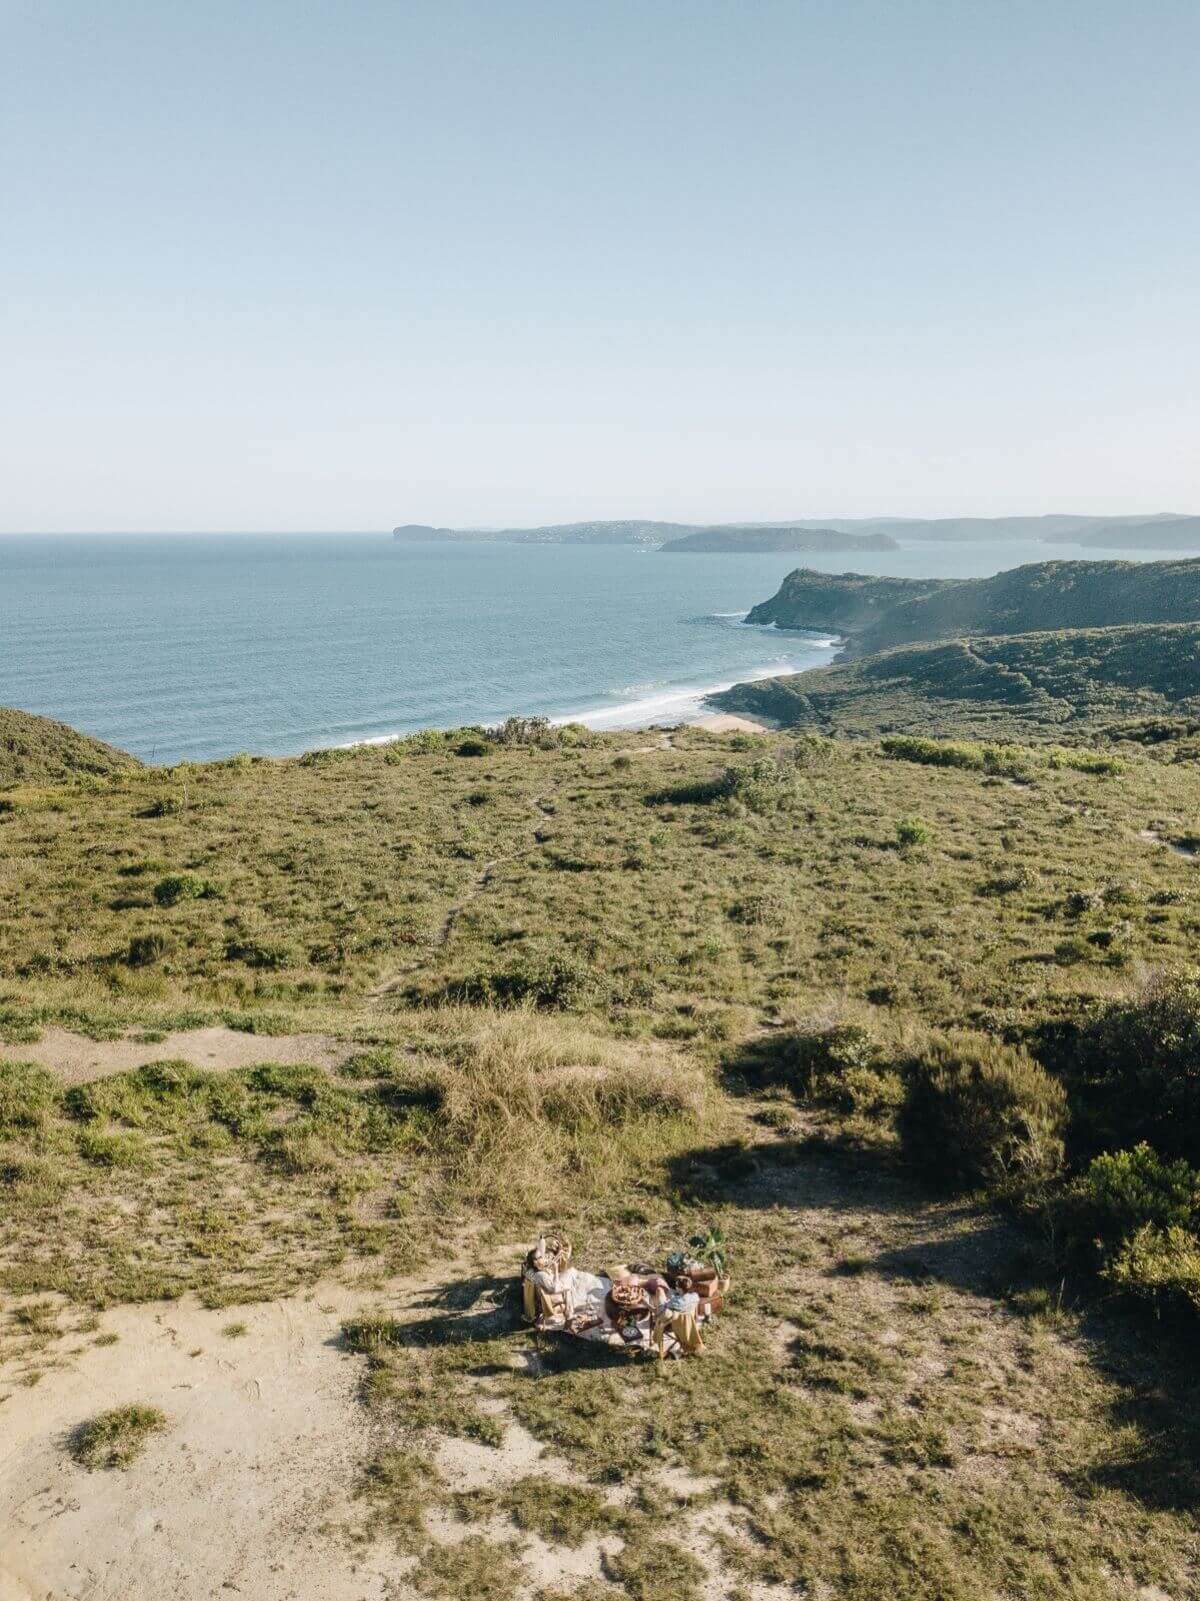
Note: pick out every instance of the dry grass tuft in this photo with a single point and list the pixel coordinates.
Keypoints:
(118, 1437)
(531, 1104)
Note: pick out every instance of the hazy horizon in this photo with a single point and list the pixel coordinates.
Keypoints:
(308, 271)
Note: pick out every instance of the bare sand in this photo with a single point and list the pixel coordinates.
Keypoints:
(240, 1494)
(727, 723)
(79, 1060)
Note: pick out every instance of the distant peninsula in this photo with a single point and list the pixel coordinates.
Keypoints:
(1157, 533)
(674, 537)
(795, 536)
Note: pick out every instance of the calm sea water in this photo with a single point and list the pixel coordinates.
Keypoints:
(194, 646)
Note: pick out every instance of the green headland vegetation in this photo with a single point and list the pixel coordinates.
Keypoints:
(911, 1018)
(1042, 596)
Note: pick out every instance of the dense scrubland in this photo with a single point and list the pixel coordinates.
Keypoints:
(1138, 684)
(912, 1019)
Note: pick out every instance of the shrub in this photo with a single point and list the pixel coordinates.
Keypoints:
(761, 786)
(115, 1438)
(560, 982)
(912, 832)
(526, 731)
(425, 742)
(1124, 1191)
(146, 949)
(178, 887)
(472, 747)
(1007, 760)
(1159, 1262)
(255, 953)
(980, 1112)
(1134, 1071)
(534, 1111)
(1087, 761)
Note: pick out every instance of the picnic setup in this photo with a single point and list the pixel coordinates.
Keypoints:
(633, 1306)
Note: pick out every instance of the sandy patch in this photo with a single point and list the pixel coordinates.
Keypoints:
(78, 1060)
(728, 723)
(263, 1447)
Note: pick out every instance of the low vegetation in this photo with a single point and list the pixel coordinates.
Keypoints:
(118, 1437)
(1073, 686)
(906, 1026)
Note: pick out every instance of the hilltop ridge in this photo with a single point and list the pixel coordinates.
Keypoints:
(38, 750)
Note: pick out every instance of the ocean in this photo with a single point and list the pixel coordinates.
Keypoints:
(193, 646)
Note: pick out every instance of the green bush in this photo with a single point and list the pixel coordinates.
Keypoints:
(559, 982)
(1006, 760)
(912, 832)
(1087, 761)
(1124, 1191)
(761, 786)
(256, 953)
(1158, 1262)
(981, 1112)
(1134, 1071)
(178, 887)
(837, 1064)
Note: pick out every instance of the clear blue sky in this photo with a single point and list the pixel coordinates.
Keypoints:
(288, 265)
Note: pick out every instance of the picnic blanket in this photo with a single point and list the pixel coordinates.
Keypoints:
(632, 1306)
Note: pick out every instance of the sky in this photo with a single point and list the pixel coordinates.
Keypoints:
(270, 265)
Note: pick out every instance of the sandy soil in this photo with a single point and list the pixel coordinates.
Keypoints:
(78, 1059)
(727, 723)
(260, 1457)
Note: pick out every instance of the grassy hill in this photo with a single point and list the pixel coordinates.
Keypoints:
(37, 750)
(842, 999)
(1071, 684)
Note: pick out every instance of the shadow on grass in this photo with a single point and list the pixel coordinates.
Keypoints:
(967, 1246)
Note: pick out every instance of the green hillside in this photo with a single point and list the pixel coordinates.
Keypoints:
(840, 603)
(1067, 685)
(37, 750)
(873, 1010)
(875, 614)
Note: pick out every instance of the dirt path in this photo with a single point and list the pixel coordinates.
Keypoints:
(539, 805)
(79, 1060)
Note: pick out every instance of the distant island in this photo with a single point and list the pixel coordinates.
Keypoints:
(767, 538)
(674, 537)
(1161, 531)
(1158, 533)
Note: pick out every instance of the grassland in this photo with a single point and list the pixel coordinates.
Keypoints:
(574, 977)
